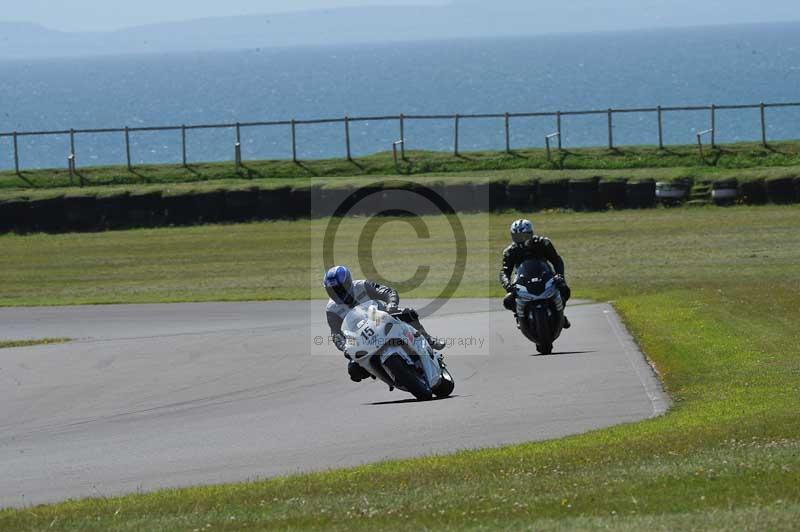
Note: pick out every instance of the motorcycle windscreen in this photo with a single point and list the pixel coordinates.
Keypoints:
(533, 275)
(361, 317)
(354, 320)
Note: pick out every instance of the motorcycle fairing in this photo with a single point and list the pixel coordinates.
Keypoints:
(374, 335)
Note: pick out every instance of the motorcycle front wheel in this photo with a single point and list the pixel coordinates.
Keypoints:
(544, 331)
(406, 377)
(446, 386)
(544, 349)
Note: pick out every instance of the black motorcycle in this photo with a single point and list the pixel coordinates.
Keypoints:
(540, 307)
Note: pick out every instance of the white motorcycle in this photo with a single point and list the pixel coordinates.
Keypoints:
(394, 352)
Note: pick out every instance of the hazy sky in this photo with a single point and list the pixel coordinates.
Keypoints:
(72, 15)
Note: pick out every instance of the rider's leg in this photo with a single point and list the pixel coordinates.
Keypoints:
(566, 293)
(510, 302)
(411, 317)
(436, 343)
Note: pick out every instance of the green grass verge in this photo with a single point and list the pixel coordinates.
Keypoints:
(672, 163)
(10, 344)
(710, 294)
(240, 262)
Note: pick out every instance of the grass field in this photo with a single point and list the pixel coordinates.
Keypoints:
(743, 161)
(651, 249)
(710, 294)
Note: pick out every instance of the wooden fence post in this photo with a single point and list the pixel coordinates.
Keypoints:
(16, 153)
(763, 125)
(237, 147)
(71, 159)
(456, 135)
(558, 128)
(347, 137)
(610, 130)
(713, 126)
(403, 136)
(184, 158)
(128, 148)
(74, 157)
(660, 129)
(508, 134)
(294, 140)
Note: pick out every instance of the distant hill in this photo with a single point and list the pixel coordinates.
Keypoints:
(464, 18)
(337, 26)
(23, 39)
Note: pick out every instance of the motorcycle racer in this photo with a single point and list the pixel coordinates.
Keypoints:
(345, 293)
(527, 245)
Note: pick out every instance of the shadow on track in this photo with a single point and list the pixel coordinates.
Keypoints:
(564, 353)
(409, 400)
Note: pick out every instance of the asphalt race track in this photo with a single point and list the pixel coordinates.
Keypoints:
(153, 396)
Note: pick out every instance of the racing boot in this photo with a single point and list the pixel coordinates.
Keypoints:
(567, 324)
(357, 373)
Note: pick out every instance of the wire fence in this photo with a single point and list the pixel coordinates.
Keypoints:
(402, 120)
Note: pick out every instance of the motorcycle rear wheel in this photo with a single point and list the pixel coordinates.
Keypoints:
(405, 376)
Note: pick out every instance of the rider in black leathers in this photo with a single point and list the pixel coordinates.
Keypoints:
(527, 245)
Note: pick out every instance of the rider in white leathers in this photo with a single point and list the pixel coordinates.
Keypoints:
(345, 293)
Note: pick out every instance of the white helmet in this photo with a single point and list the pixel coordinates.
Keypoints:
(521, 231)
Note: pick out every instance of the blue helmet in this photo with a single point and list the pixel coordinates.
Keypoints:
(338, 284)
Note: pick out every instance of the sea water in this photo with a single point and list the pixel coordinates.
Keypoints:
(671, 67)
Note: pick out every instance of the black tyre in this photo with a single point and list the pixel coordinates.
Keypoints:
(406, 377)
(544, 331)
(527, 325)
(544, 349)
(446, 386)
